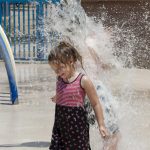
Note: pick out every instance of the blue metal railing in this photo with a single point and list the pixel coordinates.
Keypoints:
(21, 21)
(29, 1)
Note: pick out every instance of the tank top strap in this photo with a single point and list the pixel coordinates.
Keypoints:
(79, 78)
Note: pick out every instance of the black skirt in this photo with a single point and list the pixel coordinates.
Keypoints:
(71, 129)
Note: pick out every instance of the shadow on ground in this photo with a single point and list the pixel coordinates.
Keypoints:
(28, 144)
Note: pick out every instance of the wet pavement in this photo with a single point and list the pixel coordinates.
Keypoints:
(28, 125)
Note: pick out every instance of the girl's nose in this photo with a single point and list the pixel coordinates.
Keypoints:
(58, 72)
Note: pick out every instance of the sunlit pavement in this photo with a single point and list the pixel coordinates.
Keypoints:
(28, 125)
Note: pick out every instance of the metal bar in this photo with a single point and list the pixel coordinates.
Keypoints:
(46, 15)
(24, 31)
(33, 26)
(4, 17)
(19, 30)
(29, 30)
(14, 13)
(9, 19)
(9, 64)
(37, 27)
(1, 13)
(33, 19)
(42, 30)
(46, 11)
(33, 51)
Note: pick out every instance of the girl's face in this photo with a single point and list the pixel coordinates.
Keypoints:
(64, 71)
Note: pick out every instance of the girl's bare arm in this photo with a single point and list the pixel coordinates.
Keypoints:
(91, 93)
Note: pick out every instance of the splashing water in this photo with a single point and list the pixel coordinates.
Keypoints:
(68, 21)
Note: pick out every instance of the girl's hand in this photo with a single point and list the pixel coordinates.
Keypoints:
(104, 132)
(53, 99)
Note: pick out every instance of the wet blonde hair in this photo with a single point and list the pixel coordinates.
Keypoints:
(64, 53)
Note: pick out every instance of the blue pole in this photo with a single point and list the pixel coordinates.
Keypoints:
(0, 13)
(33, 18)
(46, 14)
(19, 29)
(37, 27)
(39, 31)
(33, 24)
(5, 16)
(14, 13)
(12, 82)
(6, 52)
(24, 31)
(9, 13)
(29, 30)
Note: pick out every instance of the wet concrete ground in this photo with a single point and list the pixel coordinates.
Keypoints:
(28, 125)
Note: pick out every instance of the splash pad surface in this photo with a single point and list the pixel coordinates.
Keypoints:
(28, 126)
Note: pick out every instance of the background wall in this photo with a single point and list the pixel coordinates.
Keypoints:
(130, 21)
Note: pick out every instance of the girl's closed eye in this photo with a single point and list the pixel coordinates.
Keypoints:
(57, 68)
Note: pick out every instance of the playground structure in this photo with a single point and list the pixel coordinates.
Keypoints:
(15, 32)
(23, 23)
(7, 55)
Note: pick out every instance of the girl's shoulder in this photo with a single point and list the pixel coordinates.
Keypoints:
(85, 81)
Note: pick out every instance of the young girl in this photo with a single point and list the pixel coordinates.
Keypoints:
(71, 127)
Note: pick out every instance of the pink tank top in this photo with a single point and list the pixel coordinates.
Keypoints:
(70, 94)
